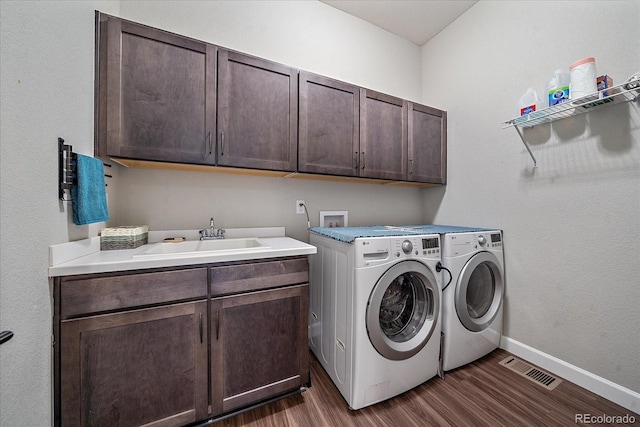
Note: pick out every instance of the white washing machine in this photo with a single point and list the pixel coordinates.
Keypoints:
(374, 321)
(472, 303)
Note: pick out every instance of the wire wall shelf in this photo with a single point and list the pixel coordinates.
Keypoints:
(625, 92)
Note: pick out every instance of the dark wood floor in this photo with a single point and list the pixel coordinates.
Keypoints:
(483, 393)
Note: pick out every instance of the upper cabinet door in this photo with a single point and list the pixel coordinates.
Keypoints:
(383, 136)
(329, 126)
(155, 94)
(257, 113)
(427, 144)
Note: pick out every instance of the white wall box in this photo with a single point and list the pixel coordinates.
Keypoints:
(334, 218)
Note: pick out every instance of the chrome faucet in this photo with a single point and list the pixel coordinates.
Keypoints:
(212, 230)
(211, 233)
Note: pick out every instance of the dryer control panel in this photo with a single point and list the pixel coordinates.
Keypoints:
(456, 244)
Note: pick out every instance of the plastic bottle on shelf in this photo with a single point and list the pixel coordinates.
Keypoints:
(558, 88)
(529, 102)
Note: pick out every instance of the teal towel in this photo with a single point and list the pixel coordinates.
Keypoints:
(88, 195)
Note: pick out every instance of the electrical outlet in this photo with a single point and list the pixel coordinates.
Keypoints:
(300, 206)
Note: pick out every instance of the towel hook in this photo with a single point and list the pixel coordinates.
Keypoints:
(66, 173)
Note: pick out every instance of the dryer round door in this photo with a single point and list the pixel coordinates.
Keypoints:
(403, 310)
(479, 291)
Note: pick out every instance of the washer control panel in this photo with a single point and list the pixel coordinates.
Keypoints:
(496, 240)
(419, 246)
(371, 251)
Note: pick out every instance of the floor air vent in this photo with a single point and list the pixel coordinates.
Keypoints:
(534, 374)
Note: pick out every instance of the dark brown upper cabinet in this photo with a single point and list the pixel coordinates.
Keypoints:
(257, 113)
(383, 136)
(345, 130)
(329, 126)
(427, 144)
(155, 94)
(167, 98)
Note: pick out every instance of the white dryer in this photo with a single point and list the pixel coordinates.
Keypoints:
(375, 311)
(472, 303)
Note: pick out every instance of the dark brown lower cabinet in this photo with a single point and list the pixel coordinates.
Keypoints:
(170, 347)
(140, 367)
(258, 346)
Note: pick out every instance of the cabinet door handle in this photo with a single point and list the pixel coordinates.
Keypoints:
(221, 143)
(209, 143)
(410, 166)
(362, 162)
(356, 160)
(217, 324)
(200, 328)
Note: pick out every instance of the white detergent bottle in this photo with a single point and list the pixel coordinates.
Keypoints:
(529, 102)
(558, 88)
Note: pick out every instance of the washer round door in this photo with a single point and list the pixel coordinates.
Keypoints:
(403, 310)
(479, 291)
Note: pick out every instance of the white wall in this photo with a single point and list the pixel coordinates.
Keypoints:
(307, 35)
(582, 201)
(46, 55)
(47, 60)
(571, 226)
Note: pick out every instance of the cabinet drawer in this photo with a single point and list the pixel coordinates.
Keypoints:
(233, 279)
(92, 295)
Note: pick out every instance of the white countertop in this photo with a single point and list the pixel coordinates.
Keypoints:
(85, 256)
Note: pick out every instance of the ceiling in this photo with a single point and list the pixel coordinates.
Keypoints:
(415, 20)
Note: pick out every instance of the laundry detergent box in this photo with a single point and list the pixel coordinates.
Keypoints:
(605, 82)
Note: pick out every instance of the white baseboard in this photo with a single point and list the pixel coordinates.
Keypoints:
(622, 396)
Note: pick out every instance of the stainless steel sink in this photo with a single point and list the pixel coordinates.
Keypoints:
(197, 247)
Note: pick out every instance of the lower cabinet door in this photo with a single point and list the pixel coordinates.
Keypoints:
(141, 367)
(258, 346)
